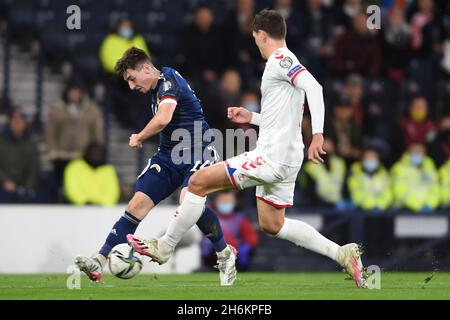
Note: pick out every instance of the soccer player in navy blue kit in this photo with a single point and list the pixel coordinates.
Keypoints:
(174, 106)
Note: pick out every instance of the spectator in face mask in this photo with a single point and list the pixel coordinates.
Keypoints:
(369, 183)
(415, 181)
(250, 101)
(116, 43)
(130, 107)
(237, 230)
(417, 127)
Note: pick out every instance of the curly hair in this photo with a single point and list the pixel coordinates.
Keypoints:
(133, 59)
(271, 22)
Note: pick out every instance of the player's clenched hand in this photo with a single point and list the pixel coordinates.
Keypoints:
(316, 148)
(135, 141)
(239, 115)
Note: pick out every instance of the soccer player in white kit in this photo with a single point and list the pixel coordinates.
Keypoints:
(275, 162)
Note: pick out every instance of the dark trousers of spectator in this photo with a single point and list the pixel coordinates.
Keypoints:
(423, 71)
(57, 179)
(44, 192)
(22, 195)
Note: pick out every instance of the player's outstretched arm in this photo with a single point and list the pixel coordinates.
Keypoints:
(314, 94)
(242, 115)
(160, 120)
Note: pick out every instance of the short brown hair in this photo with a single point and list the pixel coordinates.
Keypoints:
(131, 59)
(271, 22)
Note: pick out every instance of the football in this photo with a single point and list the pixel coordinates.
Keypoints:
(124, 262)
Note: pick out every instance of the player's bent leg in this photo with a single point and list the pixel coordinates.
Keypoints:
(210, 179)
(298, 232)
(219, 176)
(273, 222)
(270, 219)
(203, 182)
(140, 205)
(209, 224)
(182, 194)
(137, 209)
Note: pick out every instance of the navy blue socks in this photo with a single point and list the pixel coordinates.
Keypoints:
(209, 224)
(127, 224)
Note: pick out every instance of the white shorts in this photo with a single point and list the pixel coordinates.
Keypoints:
(274, 183)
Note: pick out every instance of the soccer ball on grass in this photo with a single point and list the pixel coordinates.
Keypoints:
(124, 262)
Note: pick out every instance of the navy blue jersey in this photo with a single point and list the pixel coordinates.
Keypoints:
(188, 110)
(162, 176)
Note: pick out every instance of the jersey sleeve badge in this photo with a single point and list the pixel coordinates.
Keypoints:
(167, 85)
(286, 62)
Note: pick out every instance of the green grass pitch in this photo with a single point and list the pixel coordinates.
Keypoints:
(394, 285)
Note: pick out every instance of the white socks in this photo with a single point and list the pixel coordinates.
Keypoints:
(302, 234)
(187, 216)
(298, 232)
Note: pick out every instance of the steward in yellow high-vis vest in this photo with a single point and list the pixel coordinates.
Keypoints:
(90, 181)
(328, 178)
(115, 44)
(369, 183)
(415, 181)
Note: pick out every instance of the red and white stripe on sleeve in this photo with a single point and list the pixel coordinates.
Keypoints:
(167, 99)
(295, 71)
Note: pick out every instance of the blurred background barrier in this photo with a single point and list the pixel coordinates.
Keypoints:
(46, 239)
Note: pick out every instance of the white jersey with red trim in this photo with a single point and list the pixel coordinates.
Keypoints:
(284, 85)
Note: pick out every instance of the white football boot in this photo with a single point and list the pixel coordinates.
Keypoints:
(226, 263)
(92, 267)
(149, 248)
(349, 257)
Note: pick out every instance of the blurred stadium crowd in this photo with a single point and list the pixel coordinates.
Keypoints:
(387, 93)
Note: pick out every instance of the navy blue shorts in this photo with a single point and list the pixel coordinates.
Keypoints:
(161, 177)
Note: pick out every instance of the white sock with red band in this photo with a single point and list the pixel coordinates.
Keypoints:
(187, 216)
(302, 234)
